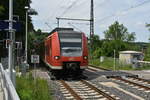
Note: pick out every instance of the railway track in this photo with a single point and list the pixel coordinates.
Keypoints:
(140, 79)
(135, 81)
(81, 90)
(99, 68)
(88, 90)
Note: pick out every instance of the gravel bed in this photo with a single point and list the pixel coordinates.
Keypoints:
(139, 82)
(112, 90)
(133, 90)
(94, 78)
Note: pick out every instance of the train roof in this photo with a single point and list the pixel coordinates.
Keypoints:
(61, 29)
(64, 30)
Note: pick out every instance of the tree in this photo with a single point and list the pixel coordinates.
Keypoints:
(119, 32)
(130, 37)
(96, 46)
(1, 9)
(117, 38)
(147, 54)
(148, 26)
(95, 41)
(109, 46)
(19, 10)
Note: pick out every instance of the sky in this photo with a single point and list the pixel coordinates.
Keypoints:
(133, 14)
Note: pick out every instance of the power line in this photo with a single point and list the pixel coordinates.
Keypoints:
(75, 19)
(100, 4)
(72, 19)
(55, 11)
(94, 6)
(82, 3)
(79, 23)
(125, 10)
(75, 27)
(48, 25)
(69, 7)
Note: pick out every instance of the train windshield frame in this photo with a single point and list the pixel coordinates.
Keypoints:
(70, 43)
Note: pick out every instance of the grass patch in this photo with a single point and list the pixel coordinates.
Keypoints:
(145, 67)
(108, 63)
(27, 89)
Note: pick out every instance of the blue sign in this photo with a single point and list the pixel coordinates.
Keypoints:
(5, 25)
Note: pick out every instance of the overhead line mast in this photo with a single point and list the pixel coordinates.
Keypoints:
(91, 27)
(92, 19)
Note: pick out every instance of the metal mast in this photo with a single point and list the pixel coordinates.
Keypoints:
(92, 19)
(91, 27)
(11, 33)
(26, 43)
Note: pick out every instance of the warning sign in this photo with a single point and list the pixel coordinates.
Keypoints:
(35, 59)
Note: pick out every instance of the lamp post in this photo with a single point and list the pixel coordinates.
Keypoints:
(11, 33)
(26, 41)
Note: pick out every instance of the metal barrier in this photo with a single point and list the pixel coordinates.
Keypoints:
(8, 88)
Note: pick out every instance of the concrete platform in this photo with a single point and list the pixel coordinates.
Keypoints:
(1, 90)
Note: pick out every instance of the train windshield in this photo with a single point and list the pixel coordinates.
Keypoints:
(71, 44)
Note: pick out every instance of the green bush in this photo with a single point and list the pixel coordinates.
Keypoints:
(29, 89)
(108, 63)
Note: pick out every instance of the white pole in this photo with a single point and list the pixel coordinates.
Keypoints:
(26, 44)
(114, 59)
(10, 51)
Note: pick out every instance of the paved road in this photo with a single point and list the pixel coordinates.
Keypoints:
(1, 91)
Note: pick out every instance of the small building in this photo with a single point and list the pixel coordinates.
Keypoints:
(130, 57)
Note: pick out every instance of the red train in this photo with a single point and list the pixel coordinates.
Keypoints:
(66, 50)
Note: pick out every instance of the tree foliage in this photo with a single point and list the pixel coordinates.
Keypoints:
(35, 40)
(117, 38)
(1, 9)
(147, 54)
(19, 11)
(119, 32)
(148, 26)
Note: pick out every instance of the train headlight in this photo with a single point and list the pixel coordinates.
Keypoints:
(56, 57)
(85, 57)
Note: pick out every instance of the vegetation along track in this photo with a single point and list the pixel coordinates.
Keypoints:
(81, 90)
(129, 80)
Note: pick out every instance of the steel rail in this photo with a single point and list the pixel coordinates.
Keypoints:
(137, 78)
(140, 79)
(98, 90)
(73, 93)
(133, 83)
(92, 69)
(100, 68)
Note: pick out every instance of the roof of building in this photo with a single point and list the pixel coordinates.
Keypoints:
(130, 52)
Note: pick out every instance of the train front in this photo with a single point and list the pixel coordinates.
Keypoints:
(74, 50)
